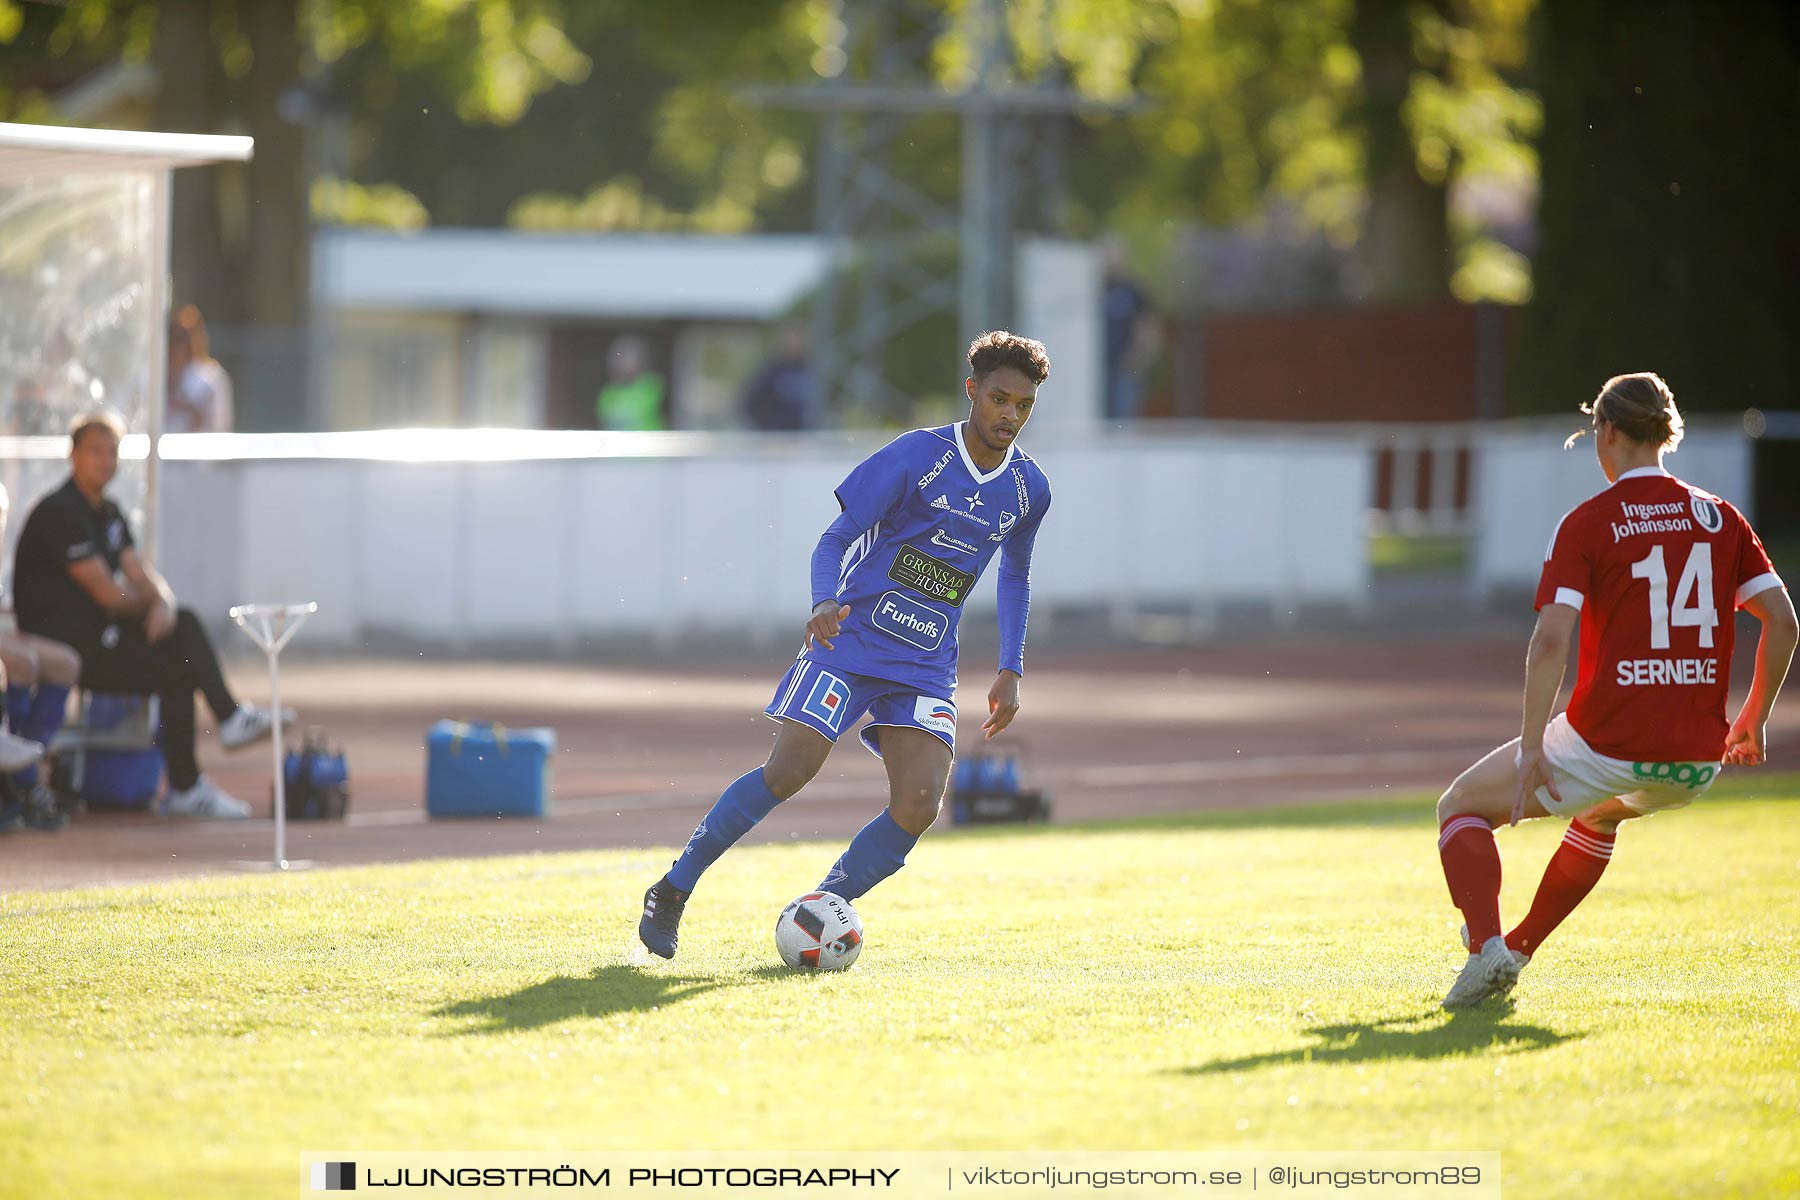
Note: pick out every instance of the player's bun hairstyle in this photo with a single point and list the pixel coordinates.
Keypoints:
(99, 418)
(999, 348)
(1641, 407)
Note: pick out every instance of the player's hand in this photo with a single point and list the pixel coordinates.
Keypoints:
(1003, 703)
(1534, 773)
(1744, 744)
(826, 618)
(159, 621)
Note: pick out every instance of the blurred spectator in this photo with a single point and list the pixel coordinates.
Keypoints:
(633, 395)
(200, 398)
(780, 395)
(38, 674)
(1131, 335)
(80, 580)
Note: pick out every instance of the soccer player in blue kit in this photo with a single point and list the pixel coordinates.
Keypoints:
(921, 518)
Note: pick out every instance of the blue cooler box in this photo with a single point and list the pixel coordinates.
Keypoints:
(486, 770)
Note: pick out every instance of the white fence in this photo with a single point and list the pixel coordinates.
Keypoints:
(1525, 482)
(485, 537)
(492, 537)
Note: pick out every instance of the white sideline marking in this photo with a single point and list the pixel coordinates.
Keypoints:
(1205, 770)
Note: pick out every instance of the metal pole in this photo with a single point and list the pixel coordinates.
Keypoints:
(280, 747)
(156, 394)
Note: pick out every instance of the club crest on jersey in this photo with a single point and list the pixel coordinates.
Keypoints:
(828, 701)
(1707, 514)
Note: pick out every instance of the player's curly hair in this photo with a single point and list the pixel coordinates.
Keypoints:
(1640, 406)
(998, 348)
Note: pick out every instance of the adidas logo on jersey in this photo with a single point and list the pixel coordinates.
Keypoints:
(941, 502)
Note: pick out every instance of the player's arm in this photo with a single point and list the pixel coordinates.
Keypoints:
(827, 568)
(1012, 589)
(1746, 745)
(1546, 659)
(147, 581)
(873, 490)
(114, 595)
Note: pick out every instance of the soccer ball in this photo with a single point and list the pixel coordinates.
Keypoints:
(819, 932)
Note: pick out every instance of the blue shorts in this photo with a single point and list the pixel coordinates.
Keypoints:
(832, 701)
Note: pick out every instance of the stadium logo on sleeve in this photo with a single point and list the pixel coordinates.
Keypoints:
(938, 715)
(931, 577)
(828, 701)
(1707, 514)
(910, 621)
(925, 480)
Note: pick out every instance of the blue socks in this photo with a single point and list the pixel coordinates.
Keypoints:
(46, 713)
(35, 713)
(744, 803)
(877, 851)
(18, 708)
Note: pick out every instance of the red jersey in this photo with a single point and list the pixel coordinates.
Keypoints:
(1658, 570)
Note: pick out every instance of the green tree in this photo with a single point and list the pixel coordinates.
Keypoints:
(242, 239)
(1669, 241)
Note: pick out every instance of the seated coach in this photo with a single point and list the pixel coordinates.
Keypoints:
(78, 579)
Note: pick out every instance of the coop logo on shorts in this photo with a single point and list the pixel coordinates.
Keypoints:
(334, 1177)
(1707, 514)
(938, 715)
(911, 622)
(828, 701)
(1687, 774)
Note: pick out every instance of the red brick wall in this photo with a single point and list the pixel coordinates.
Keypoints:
(1386, 363)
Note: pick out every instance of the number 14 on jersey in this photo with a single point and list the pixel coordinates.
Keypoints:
(1693, 604)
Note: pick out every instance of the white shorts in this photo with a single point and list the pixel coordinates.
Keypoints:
(1585, 778)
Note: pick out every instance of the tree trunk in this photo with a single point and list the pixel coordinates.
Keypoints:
(1403, 253)
(278, 259)
(187, 101)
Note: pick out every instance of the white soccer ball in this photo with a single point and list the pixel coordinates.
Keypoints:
(819, 932)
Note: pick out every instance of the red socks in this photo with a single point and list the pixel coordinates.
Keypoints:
(1573, 871)
(1472, 869)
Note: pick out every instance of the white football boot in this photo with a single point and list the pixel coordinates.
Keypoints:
(1489, 973)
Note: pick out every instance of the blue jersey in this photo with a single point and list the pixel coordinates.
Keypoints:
(930, 523)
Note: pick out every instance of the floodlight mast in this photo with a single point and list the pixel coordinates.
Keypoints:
(877, 74)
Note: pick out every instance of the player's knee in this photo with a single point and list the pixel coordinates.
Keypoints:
(59, 665)
(786, 774)
(1453, 803)
(914, 809)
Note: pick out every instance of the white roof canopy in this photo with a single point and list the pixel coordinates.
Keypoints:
(30, 151)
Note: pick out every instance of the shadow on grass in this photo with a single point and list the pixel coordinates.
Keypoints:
(1432, 1033)
(608, 991)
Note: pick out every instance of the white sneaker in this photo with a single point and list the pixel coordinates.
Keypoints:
(205, 799)
(1519, 956)
(17, 753)
(1489, 973)
(250, 723)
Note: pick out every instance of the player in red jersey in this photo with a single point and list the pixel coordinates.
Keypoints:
(1654, 569)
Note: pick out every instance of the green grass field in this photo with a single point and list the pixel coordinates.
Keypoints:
(1238, 981)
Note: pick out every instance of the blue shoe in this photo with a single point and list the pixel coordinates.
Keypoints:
(660, 927)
